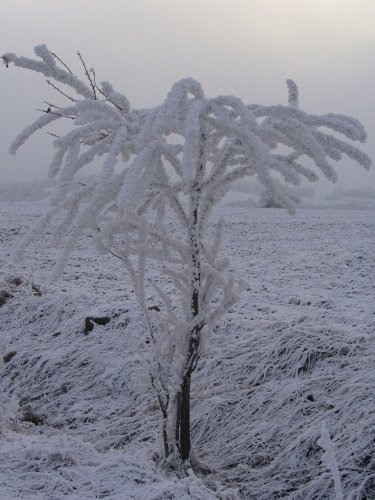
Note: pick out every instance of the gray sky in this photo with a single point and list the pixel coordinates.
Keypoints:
(243, 47)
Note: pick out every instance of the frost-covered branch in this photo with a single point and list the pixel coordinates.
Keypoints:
(162, 172)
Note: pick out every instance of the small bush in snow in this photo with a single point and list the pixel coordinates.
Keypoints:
(164, 169)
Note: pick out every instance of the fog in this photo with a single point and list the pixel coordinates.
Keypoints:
(243, 47)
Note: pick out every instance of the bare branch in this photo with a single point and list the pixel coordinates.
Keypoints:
(62, 62)
(60, 91)
(48, 111)
(101, 92)
(51, 105)
(54, 135)
(87, 74)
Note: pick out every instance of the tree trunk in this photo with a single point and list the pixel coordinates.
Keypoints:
(182, 437)
(182, 434)
(184, 414)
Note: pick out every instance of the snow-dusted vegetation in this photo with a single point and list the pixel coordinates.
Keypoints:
(163, 340)
(298, 350)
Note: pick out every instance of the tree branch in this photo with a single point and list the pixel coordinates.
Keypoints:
(49, 112)
(88, 75)
(62, 62)
(101, 92)
(60, 91)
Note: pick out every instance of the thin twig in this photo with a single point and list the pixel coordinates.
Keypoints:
(87, 74)
(62, 62)
(49, 112)
(54, 135)
(101, 92)
(114, 254)
(60, 91)
(109, 250)
(51, 105)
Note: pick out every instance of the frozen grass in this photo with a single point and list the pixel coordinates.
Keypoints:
(78, 421)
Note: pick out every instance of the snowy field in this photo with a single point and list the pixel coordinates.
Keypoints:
(284, 397)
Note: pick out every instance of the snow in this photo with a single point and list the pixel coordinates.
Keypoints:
(78, 420)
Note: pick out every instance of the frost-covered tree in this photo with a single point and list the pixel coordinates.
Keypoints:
(163, 171)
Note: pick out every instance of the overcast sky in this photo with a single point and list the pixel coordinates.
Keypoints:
(243, 47)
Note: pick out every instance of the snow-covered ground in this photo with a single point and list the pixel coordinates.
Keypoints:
(295, 356)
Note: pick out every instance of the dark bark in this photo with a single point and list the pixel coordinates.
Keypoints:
(182, 436)
(185, 443)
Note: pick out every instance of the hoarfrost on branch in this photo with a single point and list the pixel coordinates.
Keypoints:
(163, 171)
